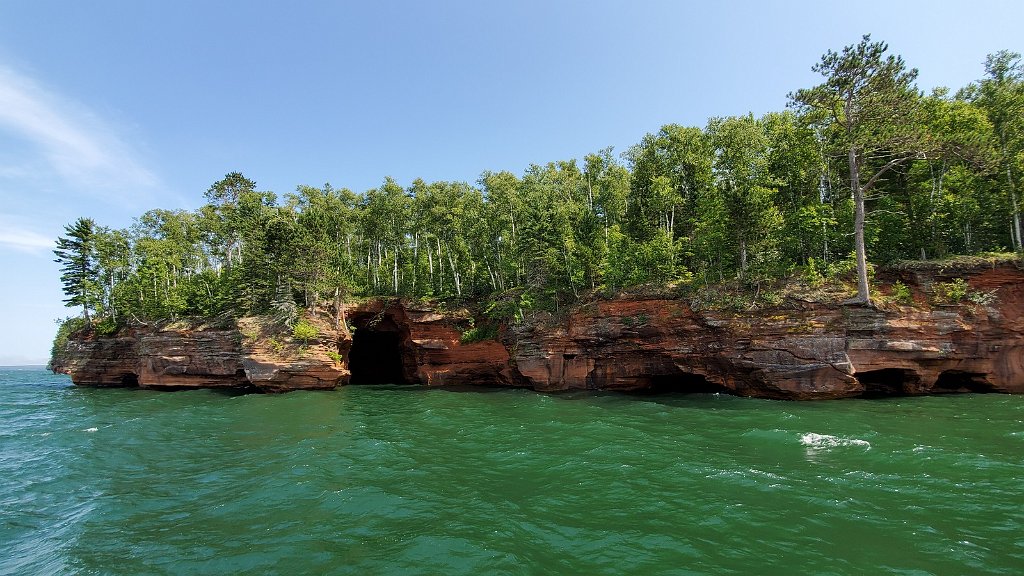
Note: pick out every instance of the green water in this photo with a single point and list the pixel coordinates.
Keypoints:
(390, 480)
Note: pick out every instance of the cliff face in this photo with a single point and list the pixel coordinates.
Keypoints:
(175, 358)
(407, 345)
(799, 350)
(807, 350)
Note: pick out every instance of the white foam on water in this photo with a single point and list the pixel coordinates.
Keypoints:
(91, 430)
(827, 441)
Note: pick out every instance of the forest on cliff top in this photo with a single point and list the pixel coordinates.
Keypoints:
(862, 168)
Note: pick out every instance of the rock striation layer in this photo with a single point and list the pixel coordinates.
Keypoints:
(797, 350)
(175, 358)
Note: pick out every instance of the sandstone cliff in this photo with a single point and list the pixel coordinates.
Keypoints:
(800, 349)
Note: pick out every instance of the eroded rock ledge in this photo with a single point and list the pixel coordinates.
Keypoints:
(799, 350)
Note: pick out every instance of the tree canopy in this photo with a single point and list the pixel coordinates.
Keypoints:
(862, 168)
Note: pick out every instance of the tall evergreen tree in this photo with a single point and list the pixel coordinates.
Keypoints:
(76, 255)
(867, 106)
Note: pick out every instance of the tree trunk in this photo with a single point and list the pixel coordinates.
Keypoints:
(455, 273)
(490, 272)
(415, 259)
(743, 257)
(1018, 243)
(369, 275)
(863, 293)
(568, 273)
(340, 322)
(430, 265)
(440, 268)
(1016, 220)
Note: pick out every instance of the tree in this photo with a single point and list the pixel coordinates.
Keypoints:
(386, 212)
(798, 173)
(950, 201)
(867, 108)
(746, 187)
(228, 189)
(113, 249)
(325, 226)
(76, 255)
(670, 170)
(1001, 95)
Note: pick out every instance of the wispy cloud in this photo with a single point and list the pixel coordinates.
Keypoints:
(75, 143)
(23, 239)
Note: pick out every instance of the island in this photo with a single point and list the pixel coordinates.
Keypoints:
(864, 242)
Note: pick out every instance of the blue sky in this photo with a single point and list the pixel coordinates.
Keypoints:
(111, 108)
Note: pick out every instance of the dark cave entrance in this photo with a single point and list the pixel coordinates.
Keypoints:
(958, 381)
(683, 383)
(376, 357)
(130, 380)
(888, 382)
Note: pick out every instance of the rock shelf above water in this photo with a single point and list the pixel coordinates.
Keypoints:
(798, 350)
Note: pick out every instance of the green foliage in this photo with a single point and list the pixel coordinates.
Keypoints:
(721, 297)
(76, 253)
(487, 330)
(276, 345)
(508, 306)
(635, 321)
(1001, 96)
(739, 202)
(107, 326)
(902, 294)
(335, 356)
(869, 111)
(770, 298)
(981, 297)
(846, 268)
(305, 331)
(952, 292)
(65, 328)
(813, 274)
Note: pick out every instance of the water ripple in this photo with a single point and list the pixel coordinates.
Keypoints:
(392, 480)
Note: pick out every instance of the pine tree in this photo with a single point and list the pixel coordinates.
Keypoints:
(868, 107)
(76, 255)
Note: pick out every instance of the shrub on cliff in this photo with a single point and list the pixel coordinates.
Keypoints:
(951, 292)
(65, 328)
(902, 294)
(305, 331)
(485, 331)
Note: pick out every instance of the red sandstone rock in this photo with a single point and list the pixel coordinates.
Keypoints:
(801, 350)
(808, 351)
(179, 358)
(431, 349)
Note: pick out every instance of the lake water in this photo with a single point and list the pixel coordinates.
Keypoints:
(401, 480)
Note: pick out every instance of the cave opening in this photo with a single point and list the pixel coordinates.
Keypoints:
(888, 382)
(376, 357)
(683, 383)
(129, 380)
(953, 381)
